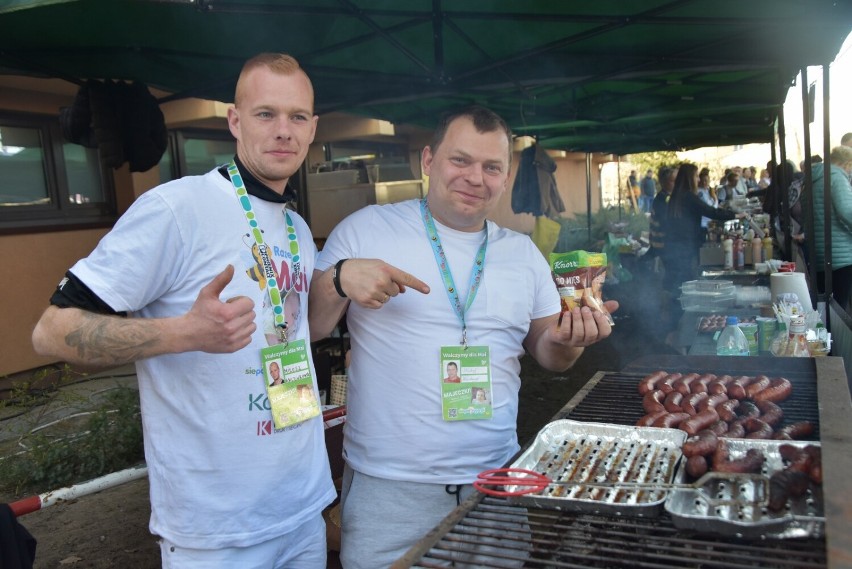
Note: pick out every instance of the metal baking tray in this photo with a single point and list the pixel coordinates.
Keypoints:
(803, 516)
(576, 452)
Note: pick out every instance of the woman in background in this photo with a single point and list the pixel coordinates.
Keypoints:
(707, 193)
(683, 218)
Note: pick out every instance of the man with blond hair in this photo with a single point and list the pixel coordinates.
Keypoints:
(231, 485)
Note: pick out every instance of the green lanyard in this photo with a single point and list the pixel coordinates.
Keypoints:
(444, 267)
(263, 251)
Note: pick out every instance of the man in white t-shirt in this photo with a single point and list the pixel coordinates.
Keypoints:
(480, 295)
(230, 485)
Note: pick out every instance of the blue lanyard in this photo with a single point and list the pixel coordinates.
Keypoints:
(444, 268)
(268, 269)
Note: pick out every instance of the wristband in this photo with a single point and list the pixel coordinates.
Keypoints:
(335, 277)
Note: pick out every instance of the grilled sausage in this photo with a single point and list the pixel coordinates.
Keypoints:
(702, 444)
(652, 402)
(751, 462)
(736, 430)
(696, 466)
(648, 382)
(815, 472)
(778, 390)
(757, 429)
(784, 485)
(719, 385)
(711, 402)
(699, 422)
(691, 403)
(770, 413)
(670, 420)
(700, 384)
(760, 383)
(747, 409)
(681, 385)
(726, 409)
(673, 401)
(720, 427)
(789, 452)
(648, 420)
(737, 387)
(666, 385)
(795, 431)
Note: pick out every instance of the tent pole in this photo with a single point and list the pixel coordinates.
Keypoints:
(618, 174)
(808, 193)
(784, 184)
(826, 188)
(589, 193)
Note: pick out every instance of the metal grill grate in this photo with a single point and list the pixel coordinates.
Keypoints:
(615, 399)
(490, 532)
(505, 536)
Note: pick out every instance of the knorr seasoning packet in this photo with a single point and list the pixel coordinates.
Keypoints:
(579, 278)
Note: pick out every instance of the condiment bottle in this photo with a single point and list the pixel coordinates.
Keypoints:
(728, 248)
(756, 251)
(797, 341)
(739, 253)
(767, 249)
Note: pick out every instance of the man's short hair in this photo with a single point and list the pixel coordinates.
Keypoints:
(846, 140)
(732, 177)
(281, 63)
(484, 120)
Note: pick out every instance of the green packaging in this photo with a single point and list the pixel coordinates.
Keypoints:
(750, 331)
(767, 328)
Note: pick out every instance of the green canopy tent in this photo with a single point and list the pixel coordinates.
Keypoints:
(607, 76)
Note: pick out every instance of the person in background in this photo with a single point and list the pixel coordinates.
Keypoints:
(772, 199)
(684, 234)
(748, 176)
(765, 180)
(742, 188)
(649, 190)
(635, 193)
(840, 164)
(227, 490)
(666, 176)
(707, 194)
(846, 139)
(729, 191)
(390, 269)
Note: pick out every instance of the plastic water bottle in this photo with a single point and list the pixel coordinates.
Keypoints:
(732, 341)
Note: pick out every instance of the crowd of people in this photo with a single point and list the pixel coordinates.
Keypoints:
(195, 280)
(685, 200)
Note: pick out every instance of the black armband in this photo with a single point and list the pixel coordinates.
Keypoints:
(335, 277)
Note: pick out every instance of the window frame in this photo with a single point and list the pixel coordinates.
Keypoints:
(59, 213)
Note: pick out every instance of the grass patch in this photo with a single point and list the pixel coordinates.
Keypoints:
(76, 448)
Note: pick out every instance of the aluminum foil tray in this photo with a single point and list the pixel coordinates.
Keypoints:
(737, 515)
(577, 452)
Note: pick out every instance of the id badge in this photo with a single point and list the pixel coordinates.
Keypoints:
(465, 383)
(289, 384)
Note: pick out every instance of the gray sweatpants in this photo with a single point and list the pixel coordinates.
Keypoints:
(381, 519)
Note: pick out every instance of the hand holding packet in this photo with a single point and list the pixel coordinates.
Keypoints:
(579, 278)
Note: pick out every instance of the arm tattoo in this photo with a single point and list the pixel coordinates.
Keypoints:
(112, 340)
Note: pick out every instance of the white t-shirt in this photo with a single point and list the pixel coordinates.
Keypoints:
(394, 424)
(220, 475)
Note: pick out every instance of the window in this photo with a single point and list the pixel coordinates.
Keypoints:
(45, 181)
(194, 153)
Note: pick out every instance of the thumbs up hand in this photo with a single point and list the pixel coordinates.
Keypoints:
(217, 326)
